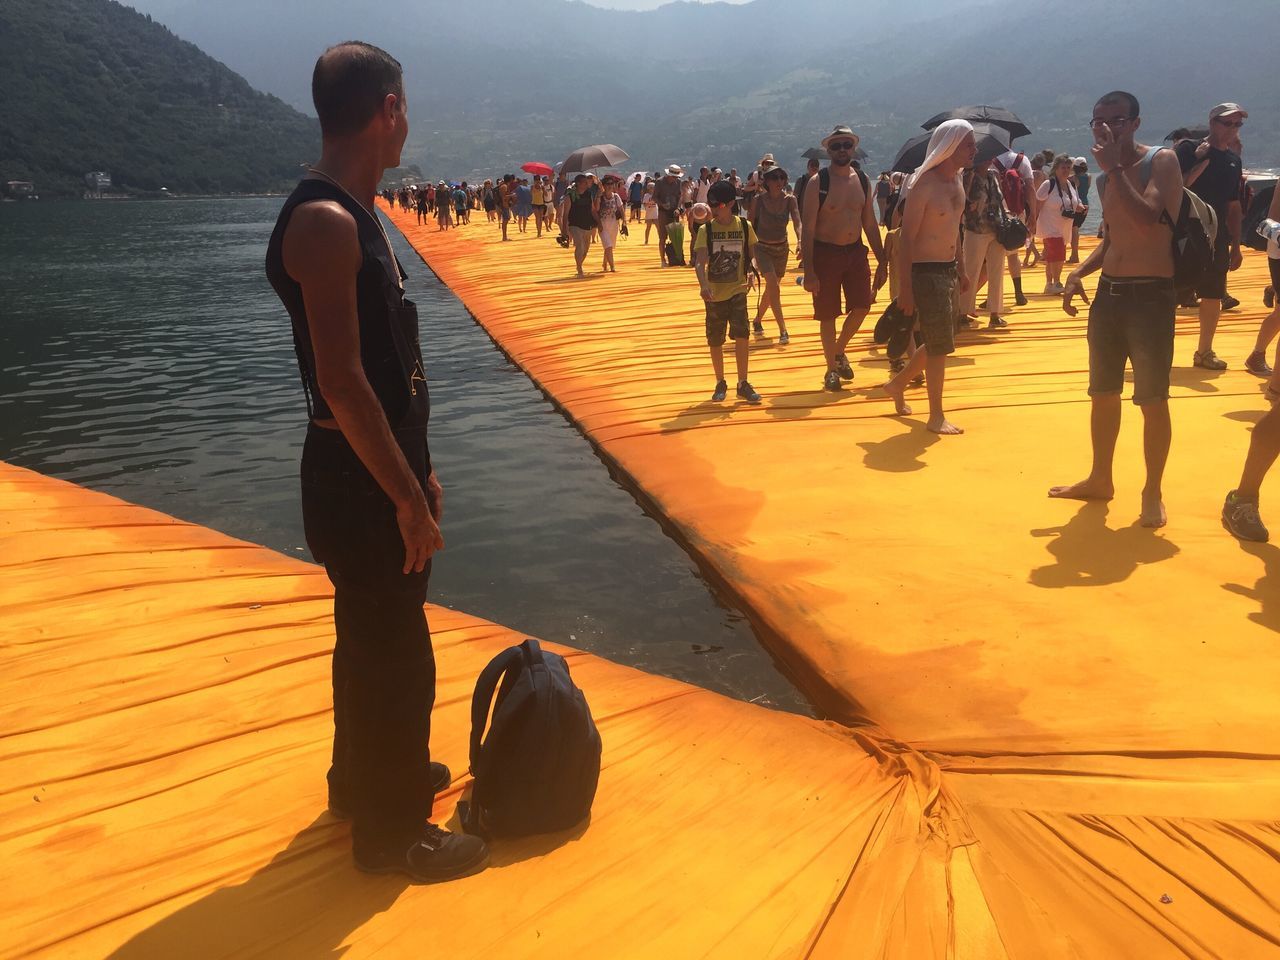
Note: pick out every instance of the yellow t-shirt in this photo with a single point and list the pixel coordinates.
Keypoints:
(726, 271)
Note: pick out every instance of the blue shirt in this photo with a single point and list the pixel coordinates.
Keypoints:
(636, 191)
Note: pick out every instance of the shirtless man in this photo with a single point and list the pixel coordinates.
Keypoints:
(833, 223)
(929, 283)
(1132, 315)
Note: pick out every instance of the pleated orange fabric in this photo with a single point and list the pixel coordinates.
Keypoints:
(1097, 698)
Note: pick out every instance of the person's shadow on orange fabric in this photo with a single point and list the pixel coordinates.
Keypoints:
(305, 902)
(1267, 590)
(1088, 553)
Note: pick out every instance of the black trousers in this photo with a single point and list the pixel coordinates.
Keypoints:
(384, 672)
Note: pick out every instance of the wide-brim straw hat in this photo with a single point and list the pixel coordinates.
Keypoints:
(700, 213)
(767, 158)
(675, 170)
(841, 132)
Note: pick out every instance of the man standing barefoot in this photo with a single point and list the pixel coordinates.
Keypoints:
(929, 282)
(1132, 315)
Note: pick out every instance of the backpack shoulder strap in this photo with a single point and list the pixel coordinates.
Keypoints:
(866, 184)
(824, 185)
(747, 265)
(486, 685)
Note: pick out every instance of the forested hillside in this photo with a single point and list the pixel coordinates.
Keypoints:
(93, 85)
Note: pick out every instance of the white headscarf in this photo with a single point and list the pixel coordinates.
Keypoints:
(946, 137)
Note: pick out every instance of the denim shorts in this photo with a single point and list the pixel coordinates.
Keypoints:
(1132, 318)
(728, 314)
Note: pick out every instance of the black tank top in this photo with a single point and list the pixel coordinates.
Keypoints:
(389, 348)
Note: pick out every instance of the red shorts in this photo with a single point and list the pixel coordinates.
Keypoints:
(840, 268)
(1055, 249)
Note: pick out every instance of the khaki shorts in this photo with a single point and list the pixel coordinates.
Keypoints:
(773, 258)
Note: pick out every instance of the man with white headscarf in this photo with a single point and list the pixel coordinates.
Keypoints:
(928, 247)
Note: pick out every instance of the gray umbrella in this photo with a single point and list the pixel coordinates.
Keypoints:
(589, 158)
(982, 113)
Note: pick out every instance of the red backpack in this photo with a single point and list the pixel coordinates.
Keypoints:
(1013, 186)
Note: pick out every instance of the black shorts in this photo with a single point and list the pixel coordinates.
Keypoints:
(728, 314)
(1214, 286)
(1274, 265)
(1132, 319)
(635, 207)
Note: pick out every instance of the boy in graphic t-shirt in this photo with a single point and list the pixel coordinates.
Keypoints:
(725, 263)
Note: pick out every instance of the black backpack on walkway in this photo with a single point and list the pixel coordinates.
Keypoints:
(536, 771)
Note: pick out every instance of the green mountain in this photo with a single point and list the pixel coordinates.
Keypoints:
(93, 85)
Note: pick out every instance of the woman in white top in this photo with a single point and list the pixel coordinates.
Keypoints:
(650, 210)
(1058, 203)
(610, 212)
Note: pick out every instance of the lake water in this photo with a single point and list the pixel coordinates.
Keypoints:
(142, 353)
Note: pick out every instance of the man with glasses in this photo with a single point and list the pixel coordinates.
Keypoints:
(837, 212)
(1212, 169)
(1132, 315)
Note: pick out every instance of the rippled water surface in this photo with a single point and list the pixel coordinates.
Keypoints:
(142, 353)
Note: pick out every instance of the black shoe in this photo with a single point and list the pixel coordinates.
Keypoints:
(757, 328)
(1230, 303)
(997, 323)
(722, 391)
(843, 368)
(831, 381)
(434, 856)
(440, 780)
(1020, 300)
(1269, 297)
(983, 305)
(747, 392)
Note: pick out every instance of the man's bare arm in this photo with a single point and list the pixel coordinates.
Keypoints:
(871, 227)
(809, 223)
(912, 218)
(322, 253)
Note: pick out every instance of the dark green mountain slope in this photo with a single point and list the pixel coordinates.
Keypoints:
(93, 85)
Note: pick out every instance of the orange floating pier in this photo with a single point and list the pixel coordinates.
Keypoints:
(1057, 733)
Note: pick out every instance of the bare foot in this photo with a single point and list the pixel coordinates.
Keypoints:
(1153, 513)
(1089, 489)
(900, 404)
(944, 426)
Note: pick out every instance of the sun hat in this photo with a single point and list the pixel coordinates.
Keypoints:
(841, 132)
(675, 170)
(767, 158)
(1226, 109)
(700, 213)
(611, 178)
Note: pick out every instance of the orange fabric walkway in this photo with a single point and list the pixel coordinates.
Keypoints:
(166, 728)
(1100, 698)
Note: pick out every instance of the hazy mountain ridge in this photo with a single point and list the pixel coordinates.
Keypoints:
(501, 81)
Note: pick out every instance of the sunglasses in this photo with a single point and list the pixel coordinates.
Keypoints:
(840, 145)
(1229, 123)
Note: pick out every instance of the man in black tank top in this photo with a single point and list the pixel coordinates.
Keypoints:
(370, 500)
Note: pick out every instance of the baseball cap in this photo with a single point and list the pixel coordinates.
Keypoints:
(1225, 109)
(722, 192)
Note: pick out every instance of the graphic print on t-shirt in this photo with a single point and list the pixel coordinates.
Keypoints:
(724, 264)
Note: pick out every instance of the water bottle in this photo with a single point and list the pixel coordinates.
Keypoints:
(1269, 230)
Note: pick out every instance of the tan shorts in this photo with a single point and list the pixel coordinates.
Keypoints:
(773, 258)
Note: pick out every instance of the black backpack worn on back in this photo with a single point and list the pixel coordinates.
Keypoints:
(536, 771)
(1195, 236)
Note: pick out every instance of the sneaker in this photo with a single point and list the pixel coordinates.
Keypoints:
(1240, 517)
(722, 391)
(1208, 360)
(897, 366)
(1020, 300)
(1229, 302)
(440, 780)
(1257, 364)
(434, 856)
(843, 368)
(757, 328)
(997, 323)
(831, 381)
(1269, 297)
(965, 322)
(747, 392)
(784, 338)
(983, 305)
